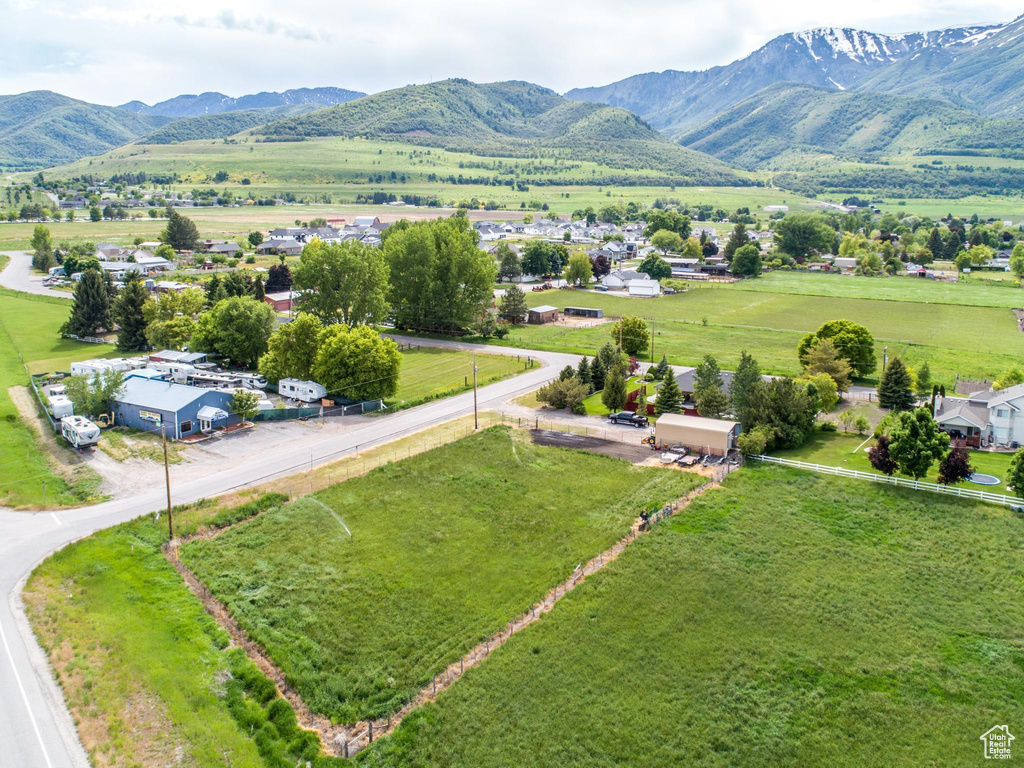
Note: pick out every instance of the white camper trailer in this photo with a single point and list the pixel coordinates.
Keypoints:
(305, 391)
(79, 431)
(60, 406)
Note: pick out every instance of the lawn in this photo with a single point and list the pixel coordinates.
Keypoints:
(785, 619)
(428, 373)
(594, 405)
(445, 548)
(837, 449)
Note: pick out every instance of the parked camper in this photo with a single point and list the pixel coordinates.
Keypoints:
(79, 431)
(179, 372)
(60, 406)
(306, 391)
(253, 380)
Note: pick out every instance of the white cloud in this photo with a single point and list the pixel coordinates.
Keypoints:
(116, 50)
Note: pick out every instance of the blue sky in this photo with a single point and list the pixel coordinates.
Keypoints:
(117, 50)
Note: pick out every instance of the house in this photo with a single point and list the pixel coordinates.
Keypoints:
(150, 405)
(987, 418)
(367, 221)
(709, 436)
(545, 313)
(494, 232)
(227, 249)
(288, 247)
(844, 263)
(279, 301)
(621, 278)
(644, 288)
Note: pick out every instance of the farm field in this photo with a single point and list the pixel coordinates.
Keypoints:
(427, 373)
(837, 449)
(770, 326)
(28, 324)
(785, 619)
(445, 548)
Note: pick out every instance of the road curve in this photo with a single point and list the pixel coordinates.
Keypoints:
(17, 276)
(35, 727)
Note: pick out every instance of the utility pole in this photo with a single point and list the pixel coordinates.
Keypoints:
(476, 418)
(167, 479)
(652, 340)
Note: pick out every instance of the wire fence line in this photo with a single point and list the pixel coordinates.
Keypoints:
(632, 436)
(901, 482)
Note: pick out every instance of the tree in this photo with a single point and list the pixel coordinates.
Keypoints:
(917, 442)
(170, 320)
(661, 369)
(613, 396)
(754, 442)
(801, 234)
(708, 375)
(1015, 474)
(91, 395)
(597, 374)
(1009, 378)
(823, 357)
(512, 306)
(509, 265)
(600, 266)
(258, 291)
(237, 328)
(655, 267)
(292, 349)
(895, 390)
(934, 242)
(279, 278)
(861, 424)
(669, 398)
(737, 239)
(1017, 261)
(632, 333)
(746, 261)
(42, 247)
(825, 390)
(237, 284)
(95, 214)
(747, 374)
(129, 314)
(255, 238)
(440, 279)
(579, 271)
(164, 251)
(346, 282)
(180, 233)
(541, 258)
(90, 310)
(357, 363)
(956, 467)
(924, 380)
(672, 221)
(879, 456)
(565, 393)
(667, 241)
(245, 404)
(785, 408)
(854, 343)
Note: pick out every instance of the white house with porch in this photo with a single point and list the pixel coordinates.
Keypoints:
(982, 419)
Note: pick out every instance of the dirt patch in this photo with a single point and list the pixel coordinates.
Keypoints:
(637, 454)
(571, 321)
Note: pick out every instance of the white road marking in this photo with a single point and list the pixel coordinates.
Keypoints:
(24, 698)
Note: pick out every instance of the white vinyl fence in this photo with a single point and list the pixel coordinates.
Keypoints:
(902, 482)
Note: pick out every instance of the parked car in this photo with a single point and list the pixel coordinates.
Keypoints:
(627, 417)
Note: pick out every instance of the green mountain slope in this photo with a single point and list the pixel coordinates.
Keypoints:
(41, 128)
(222, 125)
(778, 123)
(508, 118)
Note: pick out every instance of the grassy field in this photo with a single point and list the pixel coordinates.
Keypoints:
(770, 325)
(837, 449)
(786, 619)
(429, 373)
(28, 324)
(445, 548)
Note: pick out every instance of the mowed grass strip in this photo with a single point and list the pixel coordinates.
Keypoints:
(446, 548)
(430, 372)
(784, 619)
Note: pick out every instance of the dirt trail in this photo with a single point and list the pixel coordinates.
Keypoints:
(347, 740)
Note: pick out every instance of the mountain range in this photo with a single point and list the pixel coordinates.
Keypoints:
(213, 103)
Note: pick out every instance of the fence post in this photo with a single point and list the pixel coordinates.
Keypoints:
(371, 732)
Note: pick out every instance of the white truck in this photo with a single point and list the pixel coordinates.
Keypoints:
(79, 431)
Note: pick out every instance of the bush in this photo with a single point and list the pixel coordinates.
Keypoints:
(565, 393)
(828, 426)
(754, 442)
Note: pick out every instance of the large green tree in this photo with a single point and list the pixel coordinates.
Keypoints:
(823, 357)
(1017, 261)
(613, 396)
(746, 262)
(916, 442)
(237, 328)
(42, 248)
(853, 341)
(667, 241)
(737, 239)
(357, 363)
(91, 395)
(747, 374)
(784, 408)
(543, 258)
(632, 333)
(896, 388)
(664, 219)
(170, 319)
(90, 310)
(579, 271)
(512, 306)
(670, 397)
(440, 279)
(655, 267)
(347, 283)
(180, 233)
(800, 234)
(292, 349)
(509, 265)
(130, 315)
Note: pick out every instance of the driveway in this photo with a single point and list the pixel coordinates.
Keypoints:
(36, 730)
(17, 276)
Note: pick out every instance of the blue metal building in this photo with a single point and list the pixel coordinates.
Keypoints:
(147, 405)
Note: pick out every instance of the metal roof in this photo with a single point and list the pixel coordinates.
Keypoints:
(159, 395)
(696, 422)
(543, 308)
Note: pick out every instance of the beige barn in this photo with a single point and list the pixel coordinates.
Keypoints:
(714, 436)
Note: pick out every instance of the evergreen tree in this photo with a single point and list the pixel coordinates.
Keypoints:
(583, 371)
(661, 368)
(181, 232)
(509, 266)
(895, 390)
(211, 289)
(597, 372)
(513, 305)
(934, 243)
(566, 373)
(258, 292)
(747, 374)
(670, 397)
(613, 396)
(90, 310)
(131, 332)
(737, 239)
(954, 244)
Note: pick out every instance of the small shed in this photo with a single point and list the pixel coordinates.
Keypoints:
(583, 312)
(542, 314)
(644, 288)
(715, 436)
(280, 301)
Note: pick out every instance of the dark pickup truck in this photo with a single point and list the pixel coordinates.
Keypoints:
(626, 417)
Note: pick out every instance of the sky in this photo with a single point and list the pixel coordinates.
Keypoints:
(115, 51)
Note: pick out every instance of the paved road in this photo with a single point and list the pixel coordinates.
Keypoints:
(17, 276)
(35, 728)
